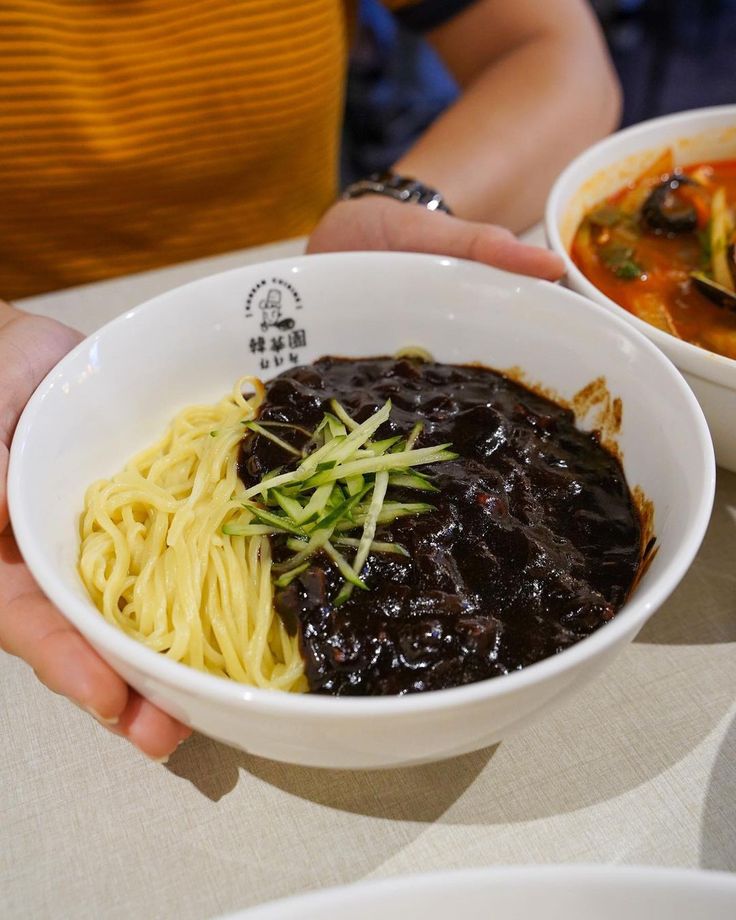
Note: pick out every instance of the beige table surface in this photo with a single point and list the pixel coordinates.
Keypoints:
(639, 768)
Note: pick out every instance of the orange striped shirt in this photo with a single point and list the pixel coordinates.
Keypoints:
(139, 133)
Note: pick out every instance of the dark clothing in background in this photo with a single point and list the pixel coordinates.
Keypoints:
(670, 55)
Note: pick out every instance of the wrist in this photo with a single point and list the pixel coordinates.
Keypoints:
(398, 187)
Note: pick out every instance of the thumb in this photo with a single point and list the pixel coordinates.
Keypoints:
(29, 347)
(480, 242)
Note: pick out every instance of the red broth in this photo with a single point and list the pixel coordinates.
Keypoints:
(648, 270)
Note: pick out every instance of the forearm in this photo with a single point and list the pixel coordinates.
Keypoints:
(524, 113)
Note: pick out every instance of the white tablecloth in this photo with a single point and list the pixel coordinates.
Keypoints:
(639, 768)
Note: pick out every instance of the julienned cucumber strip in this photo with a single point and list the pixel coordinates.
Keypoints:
(318, 502)
(353, 484)
(343, 415)
(389, 513)
(338, 488)
(283, 580)
(414, 434)
(369, 528)
(277, 521)
(345, 569)
(319, 541)
(358, 436)
(264, 433)
(234, 529)
(337, 429)
(316, 541)
(412, 480)
(388, 462)
(300, 562)
(290, 506)
(338, 449)
(377, 546)
(369, 532)
(319, 534)
(343, 509)
(377, 448)
(373, 448)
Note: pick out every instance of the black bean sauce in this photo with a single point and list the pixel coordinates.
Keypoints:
(534, 543)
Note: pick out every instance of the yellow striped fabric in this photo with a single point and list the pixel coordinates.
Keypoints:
(138, 133)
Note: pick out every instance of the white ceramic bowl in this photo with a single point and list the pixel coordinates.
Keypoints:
(117, 390)
(521, 893)
(694, 136)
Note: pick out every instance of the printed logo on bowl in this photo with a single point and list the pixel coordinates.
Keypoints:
(277, 336)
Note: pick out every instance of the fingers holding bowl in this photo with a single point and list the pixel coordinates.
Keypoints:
(32, 629)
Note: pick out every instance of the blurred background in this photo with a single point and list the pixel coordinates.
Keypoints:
(670, 55)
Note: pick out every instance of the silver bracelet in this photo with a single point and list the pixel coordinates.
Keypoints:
(400, 188)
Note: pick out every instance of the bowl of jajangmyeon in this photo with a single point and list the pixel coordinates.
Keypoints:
(361, 510)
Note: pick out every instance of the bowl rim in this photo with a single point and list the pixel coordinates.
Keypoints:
(590, 876)
(692, 358)
(188, 680)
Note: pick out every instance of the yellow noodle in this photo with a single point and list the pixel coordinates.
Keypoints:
(158, 566)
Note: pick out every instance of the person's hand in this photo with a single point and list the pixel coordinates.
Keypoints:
(30, 626)
(379, 223)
